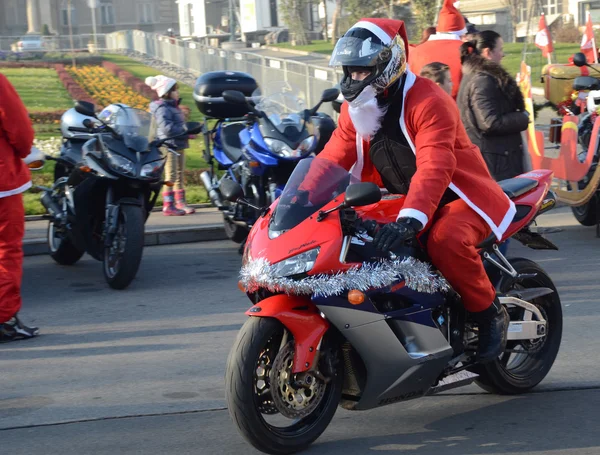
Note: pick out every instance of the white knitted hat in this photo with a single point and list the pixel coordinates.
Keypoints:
(162, 84)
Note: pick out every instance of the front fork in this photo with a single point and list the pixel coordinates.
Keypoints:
(111, 217)
(302, 318)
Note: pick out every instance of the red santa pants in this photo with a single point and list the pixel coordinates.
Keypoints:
(455, 231)
(12, 229)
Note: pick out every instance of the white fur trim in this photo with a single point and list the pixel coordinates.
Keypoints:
(356, 169)
(497, 230)
(376, 30)
(414, 213)
(19, 190)
(455, 36)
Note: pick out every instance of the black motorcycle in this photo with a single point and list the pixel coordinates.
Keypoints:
(100, 204)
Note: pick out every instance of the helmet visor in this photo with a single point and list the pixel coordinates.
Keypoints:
(353, 51)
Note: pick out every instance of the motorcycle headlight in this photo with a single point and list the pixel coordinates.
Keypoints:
(301, 263)
(279, 147)
(120, 163)
(153, 169)
(307, 144)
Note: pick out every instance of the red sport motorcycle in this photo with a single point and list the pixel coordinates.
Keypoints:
(335, 322)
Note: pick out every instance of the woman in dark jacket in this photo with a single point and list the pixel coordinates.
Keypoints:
(491, 106)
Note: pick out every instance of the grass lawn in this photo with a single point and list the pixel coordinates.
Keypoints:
(39, 88)
(512, 60)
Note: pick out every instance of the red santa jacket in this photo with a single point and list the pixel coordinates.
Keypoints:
(16, 139)
(443, 48)
(445, 157)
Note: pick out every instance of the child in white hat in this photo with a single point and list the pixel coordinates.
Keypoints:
(170, 121)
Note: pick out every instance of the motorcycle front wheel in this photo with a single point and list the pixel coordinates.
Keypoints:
(276, 411)
(122, 258)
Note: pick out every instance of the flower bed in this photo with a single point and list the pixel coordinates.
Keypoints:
(137, 84)
(107, 88)
(47, 117)
(74, 89)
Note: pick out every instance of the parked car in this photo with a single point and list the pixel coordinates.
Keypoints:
(30, 43)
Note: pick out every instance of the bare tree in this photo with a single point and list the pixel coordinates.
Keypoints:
(293, 13)
(339, 4)
(513, 7)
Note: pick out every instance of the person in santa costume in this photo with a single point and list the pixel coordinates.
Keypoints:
(16, 139)
(443, 46)
(404, 133)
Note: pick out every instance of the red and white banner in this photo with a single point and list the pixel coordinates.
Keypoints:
(542, 38)
(588, 42)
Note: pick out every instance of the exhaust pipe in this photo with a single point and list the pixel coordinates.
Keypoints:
(213, 194)
(52, 207)
(548, 204)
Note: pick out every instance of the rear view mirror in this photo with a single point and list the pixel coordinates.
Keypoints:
(579, 59)
(231, 191)
(194, 127)
(331, 94)
(363, 193)
(234, 97)
(85, 108)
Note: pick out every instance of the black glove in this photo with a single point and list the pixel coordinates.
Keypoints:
(394, 235)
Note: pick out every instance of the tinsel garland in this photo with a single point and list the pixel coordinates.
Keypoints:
(259, 273)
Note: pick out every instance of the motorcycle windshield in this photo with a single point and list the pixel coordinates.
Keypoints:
(283, 104)
(314, 183)
(132, 124)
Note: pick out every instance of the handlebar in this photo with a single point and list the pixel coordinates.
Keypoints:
(77, 129)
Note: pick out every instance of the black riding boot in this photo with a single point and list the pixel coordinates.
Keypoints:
(493, 325)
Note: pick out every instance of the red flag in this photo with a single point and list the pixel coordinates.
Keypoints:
(542, 37)
(588, 42)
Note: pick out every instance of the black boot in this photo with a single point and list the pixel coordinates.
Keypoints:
(493, 325)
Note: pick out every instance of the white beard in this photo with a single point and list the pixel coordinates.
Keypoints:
(366, 114)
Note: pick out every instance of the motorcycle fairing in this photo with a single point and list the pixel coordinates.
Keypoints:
(301, 318)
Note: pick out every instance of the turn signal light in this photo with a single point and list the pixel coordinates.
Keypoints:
(241, 287)
(169, 184)
(356, 297)
(38, 164)
(85, 168)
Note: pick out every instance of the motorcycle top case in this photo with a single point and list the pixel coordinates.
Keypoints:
(209, 88)
(558, 80)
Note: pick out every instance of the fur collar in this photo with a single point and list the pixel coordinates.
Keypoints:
(478, 64)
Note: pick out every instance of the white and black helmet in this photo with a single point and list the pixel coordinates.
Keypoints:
(378, 45)
(72, 118)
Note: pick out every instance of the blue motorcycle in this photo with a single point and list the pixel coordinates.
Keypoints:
(261, 150)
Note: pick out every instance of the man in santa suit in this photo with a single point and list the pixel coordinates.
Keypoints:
(16, 139)
(404, 133)
(443, 46)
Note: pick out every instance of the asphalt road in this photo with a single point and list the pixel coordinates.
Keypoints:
(141, 370)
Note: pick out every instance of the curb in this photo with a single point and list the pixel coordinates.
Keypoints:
(154, 237)
(155, 209)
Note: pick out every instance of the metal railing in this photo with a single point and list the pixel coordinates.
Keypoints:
(199, 58)
(55, 43)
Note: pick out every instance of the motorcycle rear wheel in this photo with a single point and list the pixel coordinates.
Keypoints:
(515, 374)
(249, 391)
(62, 250)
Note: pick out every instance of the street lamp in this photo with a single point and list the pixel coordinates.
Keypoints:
(93, 4)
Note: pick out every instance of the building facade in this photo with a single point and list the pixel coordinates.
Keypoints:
(496, 15)
(18, 17)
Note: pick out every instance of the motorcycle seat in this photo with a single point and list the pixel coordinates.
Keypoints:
(230, 139)
(515, 187)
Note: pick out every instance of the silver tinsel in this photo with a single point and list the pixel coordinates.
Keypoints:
(258, 273)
